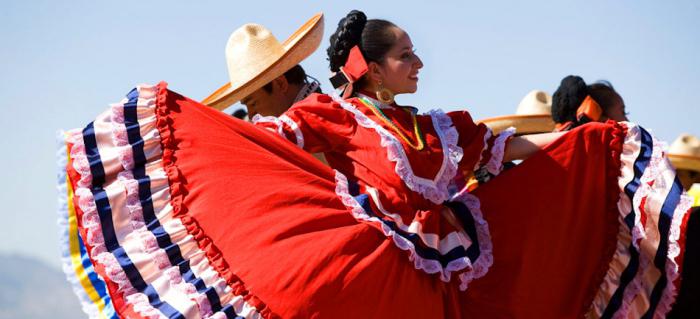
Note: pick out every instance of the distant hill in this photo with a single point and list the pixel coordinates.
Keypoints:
(31, 289)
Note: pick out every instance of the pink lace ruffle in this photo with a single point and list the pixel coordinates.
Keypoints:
(487, 136)
(95, 240)
(145, 106)
(632, 142)
(653, 182)
(485, 259)
(495, 163)
(462, 265)
(65, 219)
(435, 190)
(140, 235)
(148, 241)
(149, 245)
(670, 291)
(232, 289)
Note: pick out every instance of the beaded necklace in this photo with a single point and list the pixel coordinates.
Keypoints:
(416, 128)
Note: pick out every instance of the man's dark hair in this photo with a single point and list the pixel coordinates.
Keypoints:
(295, 75)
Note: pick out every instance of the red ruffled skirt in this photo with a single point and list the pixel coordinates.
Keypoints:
(185, 212)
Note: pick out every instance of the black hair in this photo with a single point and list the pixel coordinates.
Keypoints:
(573, 90)
(374, 37)
(239, 113)
(295, 75)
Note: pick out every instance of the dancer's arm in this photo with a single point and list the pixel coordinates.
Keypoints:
(522, 147)
(316, 124)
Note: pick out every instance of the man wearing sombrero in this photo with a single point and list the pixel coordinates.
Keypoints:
(265, 74)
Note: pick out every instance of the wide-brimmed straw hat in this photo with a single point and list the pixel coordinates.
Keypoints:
(533, 115)
(255, 58)
(684, 152)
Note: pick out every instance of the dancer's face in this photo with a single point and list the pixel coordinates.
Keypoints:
(616, 112)
(398, 72)
(272, 102)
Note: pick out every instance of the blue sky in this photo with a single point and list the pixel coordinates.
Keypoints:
(64, 62)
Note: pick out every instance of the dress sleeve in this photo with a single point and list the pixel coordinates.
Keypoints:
(316, 124)
(483, 150)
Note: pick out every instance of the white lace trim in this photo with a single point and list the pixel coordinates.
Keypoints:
(88, 306)
(495, 163)
(485, 259)
(432, 240)
(146, 239)
(658, 164)
(633, 141)
(91, 221)
(279, 126)
(270, 119)
(674, 249)
(147, 101)
(487, 136)
(435, 190)
(426, 265)
(295, 128)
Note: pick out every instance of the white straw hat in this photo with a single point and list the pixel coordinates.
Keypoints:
(684, 152)
(533, 115)
(255, 58)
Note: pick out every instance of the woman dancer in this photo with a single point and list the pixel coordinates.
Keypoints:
(575, 103)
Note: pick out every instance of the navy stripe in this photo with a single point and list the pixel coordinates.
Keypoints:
(145, 197)
(640, 164)
(625, 278)
(420, 247)
(97, 283)
(230, 313)
(105, 212)
(664, 228)
(467, 220)
(98, 178)
(93, 156)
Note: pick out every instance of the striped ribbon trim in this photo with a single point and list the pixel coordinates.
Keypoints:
(470, 259)
(86, 283)
(652, 205)
(124, 198)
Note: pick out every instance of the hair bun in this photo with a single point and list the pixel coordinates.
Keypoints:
(567, 98)
(348, 35)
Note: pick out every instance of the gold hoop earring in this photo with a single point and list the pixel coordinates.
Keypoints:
(384, 95)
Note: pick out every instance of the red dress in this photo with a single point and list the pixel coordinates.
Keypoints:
(187, 212)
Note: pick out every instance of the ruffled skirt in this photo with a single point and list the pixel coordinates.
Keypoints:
(171, 209)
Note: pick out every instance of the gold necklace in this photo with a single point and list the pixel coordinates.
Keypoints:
(416, 128)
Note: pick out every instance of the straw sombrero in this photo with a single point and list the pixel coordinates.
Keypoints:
(684, 153)
(255, 58)
(533, 115)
